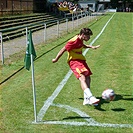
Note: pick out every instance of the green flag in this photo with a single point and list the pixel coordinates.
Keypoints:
(30, 50)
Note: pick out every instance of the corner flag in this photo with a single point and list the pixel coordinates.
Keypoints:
(29, 58)
(30, 51)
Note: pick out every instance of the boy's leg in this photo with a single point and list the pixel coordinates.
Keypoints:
(84, 82)
(80, 69)
(85, 85)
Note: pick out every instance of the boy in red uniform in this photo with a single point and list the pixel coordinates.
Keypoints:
(77, 63)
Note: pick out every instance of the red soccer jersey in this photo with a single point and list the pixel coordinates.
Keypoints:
(74, 47)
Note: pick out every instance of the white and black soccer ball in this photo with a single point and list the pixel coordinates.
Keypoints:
(108, 95)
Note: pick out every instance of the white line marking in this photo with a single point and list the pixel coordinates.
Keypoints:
(99, 34)
(49, 101)
(73, 123)
(77, 111)
(90, 121)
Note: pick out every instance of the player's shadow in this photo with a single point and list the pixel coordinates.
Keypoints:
(75, 117)
(118, 109)
(102, 101)
(117, 98)
(122, 97)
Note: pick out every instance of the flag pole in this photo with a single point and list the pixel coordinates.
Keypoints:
(34, 89)
(29, 61)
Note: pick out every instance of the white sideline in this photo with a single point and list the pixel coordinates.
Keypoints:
(50, 100)
(73, 123)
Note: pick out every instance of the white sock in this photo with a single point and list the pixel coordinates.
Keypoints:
(87, 93)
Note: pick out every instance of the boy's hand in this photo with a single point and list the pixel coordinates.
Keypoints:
(95, 47)
(54, 60)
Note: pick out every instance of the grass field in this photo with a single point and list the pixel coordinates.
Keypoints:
(112, 67)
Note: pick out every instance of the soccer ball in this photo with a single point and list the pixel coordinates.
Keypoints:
(108, 95)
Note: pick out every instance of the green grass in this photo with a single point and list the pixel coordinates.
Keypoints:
(111, 65)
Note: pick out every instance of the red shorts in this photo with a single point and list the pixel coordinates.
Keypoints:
(79, 67)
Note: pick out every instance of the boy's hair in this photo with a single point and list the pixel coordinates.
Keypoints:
(86, 31)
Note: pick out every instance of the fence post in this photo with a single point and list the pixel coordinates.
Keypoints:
(2, 49)
(90, 17)
(26, 35)
(87, 16)
(80, 15)
(77, 20)
(67, 25)
(57, 28)
(45, 32)
(72, 21)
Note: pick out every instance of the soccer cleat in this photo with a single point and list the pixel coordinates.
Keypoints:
(94, 101)
(91, 101)
(86, 101)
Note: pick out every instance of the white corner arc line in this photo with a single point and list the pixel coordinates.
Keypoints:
(50, 100)
(77, 111)
(90, 121)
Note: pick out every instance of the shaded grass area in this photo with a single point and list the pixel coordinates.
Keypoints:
(111, 65)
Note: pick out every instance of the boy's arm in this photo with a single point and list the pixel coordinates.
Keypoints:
(59, 55)
(93, 47)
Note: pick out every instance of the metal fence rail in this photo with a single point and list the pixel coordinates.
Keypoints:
(58, 28)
